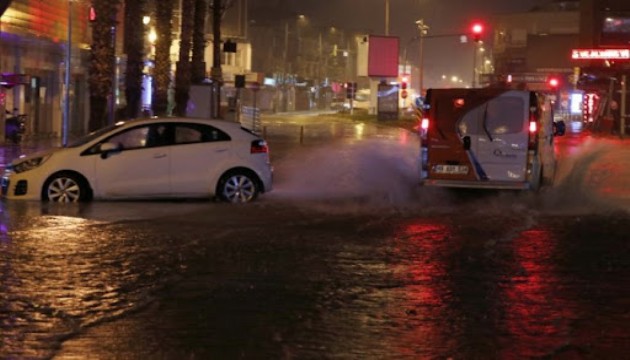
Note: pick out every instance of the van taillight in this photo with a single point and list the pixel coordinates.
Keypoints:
(259, 146)
(424, 124)
(533, 127)
(533, 133)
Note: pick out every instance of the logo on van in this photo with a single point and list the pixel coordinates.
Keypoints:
(500, 153)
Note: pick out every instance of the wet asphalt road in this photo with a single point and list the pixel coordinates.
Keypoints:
(362, 266)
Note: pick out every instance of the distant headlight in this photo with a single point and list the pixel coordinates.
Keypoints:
(29, 164)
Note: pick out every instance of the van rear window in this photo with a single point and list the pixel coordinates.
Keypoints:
(483, 114)
(505, 115)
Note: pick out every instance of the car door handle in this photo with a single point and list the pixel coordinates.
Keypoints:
(159, 156)
(220, 150)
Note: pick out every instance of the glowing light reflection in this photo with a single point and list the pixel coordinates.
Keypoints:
(535, 313)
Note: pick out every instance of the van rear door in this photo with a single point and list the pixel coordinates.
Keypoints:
(478, 138)
(503, 140)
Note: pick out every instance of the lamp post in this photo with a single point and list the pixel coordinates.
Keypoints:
(476, 48)
(423, 28)
(66, 101)
(386, 17)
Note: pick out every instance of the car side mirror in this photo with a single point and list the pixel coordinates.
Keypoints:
(107, 148)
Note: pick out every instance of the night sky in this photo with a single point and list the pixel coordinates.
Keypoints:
(442, 55)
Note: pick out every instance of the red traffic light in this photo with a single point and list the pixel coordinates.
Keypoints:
(553, 82)
(477, 29)
(92, 14)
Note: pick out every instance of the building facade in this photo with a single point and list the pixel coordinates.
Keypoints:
(531, 47)
(34, 43)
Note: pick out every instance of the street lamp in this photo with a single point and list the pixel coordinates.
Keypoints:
(386, 17)
(477, 30)
(65, 125)
(423, 28)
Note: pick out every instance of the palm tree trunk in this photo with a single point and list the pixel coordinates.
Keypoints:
(198, 66)
(134, 48)
(182, 75)
(162, 75)
(101, 68)
(216, 72)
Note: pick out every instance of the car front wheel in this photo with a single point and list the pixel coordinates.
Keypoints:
(238, 187)
(65, 188)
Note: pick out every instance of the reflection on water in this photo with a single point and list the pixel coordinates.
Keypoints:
(425, 296)
(61, 273)
(537, 319)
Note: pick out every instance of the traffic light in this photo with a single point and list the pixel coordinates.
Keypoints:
(92, 14)
(403, 83)
(351, 89)
(403, 87)
(477, 31)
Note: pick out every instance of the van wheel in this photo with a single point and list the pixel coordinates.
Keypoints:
(537, 180)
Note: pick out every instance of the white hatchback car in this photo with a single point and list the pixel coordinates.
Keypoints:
(148, 158)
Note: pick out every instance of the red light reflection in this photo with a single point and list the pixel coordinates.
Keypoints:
(420, 247)
(537, 318)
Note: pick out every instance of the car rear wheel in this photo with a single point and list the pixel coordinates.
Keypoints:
(238, 187)
(66, 188)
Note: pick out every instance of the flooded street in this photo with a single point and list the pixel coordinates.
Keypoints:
(346, 258)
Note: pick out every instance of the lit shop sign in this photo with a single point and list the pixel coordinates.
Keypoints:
(600, 54)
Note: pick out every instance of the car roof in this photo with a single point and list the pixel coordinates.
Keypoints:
(225, 125)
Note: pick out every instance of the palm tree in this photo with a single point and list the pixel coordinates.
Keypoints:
(199, 42)
(102, 56)
(134, 48)
(162, 74)
(182, 74)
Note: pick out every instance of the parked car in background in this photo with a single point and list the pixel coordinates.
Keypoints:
(361, 100)
(148, 158)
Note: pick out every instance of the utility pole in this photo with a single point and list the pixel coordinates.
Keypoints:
(65, 125)
(386, 17)
(423, 28)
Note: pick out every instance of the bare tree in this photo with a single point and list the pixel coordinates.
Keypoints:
(102, 57)
(134, 48)
(182, 74)
(162, 74)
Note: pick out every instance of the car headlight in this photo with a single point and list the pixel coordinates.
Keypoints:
(29, 164)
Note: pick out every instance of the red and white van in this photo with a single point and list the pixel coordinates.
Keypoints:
(490, 138)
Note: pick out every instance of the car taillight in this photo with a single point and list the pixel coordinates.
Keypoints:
(259, 146)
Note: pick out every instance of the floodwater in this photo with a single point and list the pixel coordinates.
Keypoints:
(347, 258)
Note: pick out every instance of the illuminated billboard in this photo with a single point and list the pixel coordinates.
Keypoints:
(383, 56)
(600, 54)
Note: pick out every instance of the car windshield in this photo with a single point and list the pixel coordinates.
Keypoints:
(93, 135)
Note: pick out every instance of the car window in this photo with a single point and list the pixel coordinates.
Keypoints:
(131, 139)
(159, 135)
(195, 133)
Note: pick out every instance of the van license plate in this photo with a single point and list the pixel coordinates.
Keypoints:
(451, 169)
